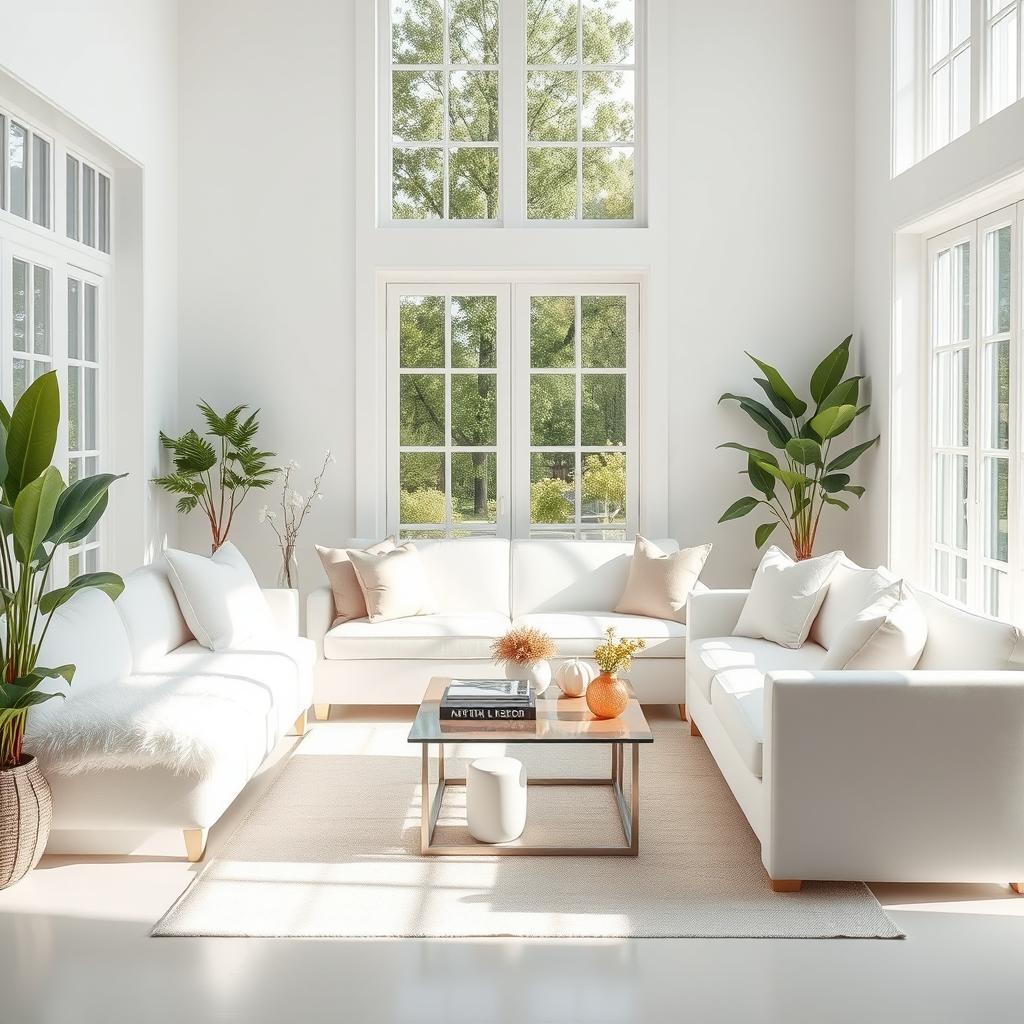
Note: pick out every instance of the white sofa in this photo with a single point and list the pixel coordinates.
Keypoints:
(484, 585)
(874, 776)
(159, 732)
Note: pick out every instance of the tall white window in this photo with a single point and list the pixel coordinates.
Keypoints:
(510, 111)
(1003, 49)
(974, 331)
(512, 410)
(55, 268)
(948, 71)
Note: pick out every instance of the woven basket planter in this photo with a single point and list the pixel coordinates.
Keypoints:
(26, 811)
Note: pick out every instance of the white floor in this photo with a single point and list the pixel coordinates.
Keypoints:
(74, 949)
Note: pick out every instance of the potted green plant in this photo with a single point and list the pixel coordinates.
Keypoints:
(796, 485)
(38, 515)
(216, 475)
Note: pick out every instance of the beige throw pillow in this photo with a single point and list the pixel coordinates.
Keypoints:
(349, 602)
(394, 583)
(658, 582)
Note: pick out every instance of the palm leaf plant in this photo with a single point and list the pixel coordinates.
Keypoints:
(803, 476)
(38, 514)
(216, 475)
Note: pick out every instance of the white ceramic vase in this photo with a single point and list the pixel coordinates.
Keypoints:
(537, 672)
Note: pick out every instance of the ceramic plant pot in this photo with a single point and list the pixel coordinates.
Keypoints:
(607, 696)
(26, 811)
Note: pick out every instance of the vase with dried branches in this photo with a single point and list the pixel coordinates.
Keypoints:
(526, 653)
(294, 509)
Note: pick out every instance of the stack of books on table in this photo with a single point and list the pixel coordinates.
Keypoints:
(486, 701)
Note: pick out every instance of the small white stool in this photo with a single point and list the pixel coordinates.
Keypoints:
(496, 799)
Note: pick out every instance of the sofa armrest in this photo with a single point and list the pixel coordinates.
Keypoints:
(284, 609)
(894, 776)
(713, 612)
(319, 616)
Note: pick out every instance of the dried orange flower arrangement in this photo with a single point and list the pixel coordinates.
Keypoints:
(523, 645)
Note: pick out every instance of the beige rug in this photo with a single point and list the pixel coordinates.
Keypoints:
(331, 850)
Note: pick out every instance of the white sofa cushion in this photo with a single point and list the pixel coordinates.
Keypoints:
(576, 634)
(890, 633)
(659, 582)
(197, 712)
(716, 654)
(219, 596)
(851, 589)
(457, 636)
(784, 597)
(151, 615)
(958, 638)
(737, 697)
(570, 575)
(88, 633)
(394, 583)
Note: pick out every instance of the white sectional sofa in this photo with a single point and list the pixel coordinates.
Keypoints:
(159, 732)
(867, 775)
(484, 585)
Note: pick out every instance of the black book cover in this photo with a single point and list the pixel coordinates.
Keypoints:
(487, 714)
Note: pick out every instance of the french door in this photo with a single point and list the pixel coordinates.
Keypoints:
(512, 409)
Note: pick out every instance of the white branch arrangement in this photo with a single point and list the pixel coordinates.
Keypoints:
(294, 509)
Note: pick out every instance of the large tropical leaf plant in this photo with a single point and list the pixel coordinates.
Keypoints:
(216, 475)
(803, 476)
(38, 515)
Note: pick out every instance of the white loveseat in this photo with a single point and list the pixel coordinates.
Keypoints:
(159, 732)
(566, 588)
(867, 775)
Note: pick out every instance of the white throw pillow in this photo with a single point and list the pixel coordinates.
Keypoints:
(850, 590)
(890, 633)
(394, 583)
(784, 597)
(659, 583)
(219, 596)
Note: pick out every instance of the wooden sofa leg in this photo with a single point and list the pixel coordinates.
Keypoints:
(299, 728)
(322, 712)
(195, 843)
(682, 712)
(694, 731)
(1018, 888)
(786, 885)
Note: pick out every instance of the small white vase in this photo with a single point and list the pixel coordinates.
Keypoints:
(538, 673)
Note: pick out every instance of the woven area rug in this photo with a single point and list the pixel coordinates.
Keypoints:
(332, 851)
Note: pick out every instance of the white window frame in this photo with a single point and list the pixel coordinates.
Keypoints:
(931, 68)
(977, 451)
(48, 246)
(7, 115)
(1015, 7)
(512, 142)
(513, 381)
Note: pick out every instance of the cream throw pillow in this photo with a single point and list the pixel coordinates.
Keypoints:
(349, 602)
(218, 596)
(659, 583)
(890, 633)
(394, 583)
(784, 597)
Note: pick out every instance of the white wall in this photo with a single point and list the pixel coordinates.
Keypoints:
(762, 225)
(112, 66)
(893, 217)
(267, 258)
(749, 244)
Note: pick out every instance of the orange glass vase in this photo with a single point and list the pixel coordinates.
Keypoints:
(607, 696)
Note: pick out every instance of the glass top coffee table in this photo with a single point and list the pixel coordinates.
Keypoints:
(559, 720)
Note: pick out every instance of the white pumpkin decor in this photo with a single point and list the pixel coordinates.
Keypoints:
(573, 676)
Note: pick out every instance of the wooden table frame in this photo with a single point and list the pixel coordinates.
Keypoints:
(629, 815)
